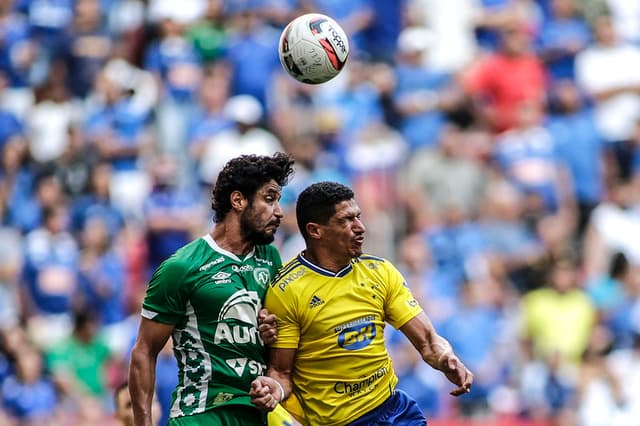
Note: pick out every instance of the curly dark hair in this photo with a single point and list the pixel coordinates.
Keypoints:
(247, 174)
(317, 203)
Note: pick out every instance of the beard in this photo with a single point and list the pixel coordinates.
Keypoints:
(250, 231)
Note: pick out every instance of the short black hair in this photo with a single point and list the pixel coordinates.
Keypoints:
(619, 265)
(84, 316)
(317, 203)
(246, 174)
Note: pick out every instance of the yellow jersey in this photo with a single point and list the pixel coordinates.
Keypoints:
(279, 417)
(336, 323)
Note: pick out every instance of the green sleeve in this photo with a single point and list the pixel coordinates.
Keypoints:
(168, 293)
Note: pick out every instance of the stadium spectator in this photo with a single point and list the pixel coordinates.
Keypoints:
(626, 17)
(29, 396)
(599, 391)
(102, 273)
(423, 94)
(479, 346)
(381, 32)
(117, 129)
(87, 48)
(53, 120)
(451, 25)
(510, 77)
(11, 128)
(559, 318)
(247, 135)
(604, 72)
(251, 50)
(623, 365)
(11, 259)
(50, 277)
(18, 182)
(208, 34)
(579, 146)
(555, 235)
(511, 247)
(18, 57)
(79, 363)
(374, 159)
(175, 63)
(347, 109)
(527, 155)
(173, 216)
(564, 34)
(441, 176)
(209, 119)
(96, 202)
(610, 229)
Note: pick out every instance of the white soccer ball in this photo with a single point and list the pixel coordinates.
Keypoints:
(313, 48)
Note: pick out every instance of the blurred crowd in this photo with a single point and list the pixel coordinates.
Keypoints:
(494, 147)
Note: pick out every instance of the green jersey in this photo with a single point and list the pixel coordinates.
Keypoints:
(212, 297)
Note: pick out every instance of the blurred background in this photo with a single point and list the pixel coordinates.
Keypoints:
(494, 147)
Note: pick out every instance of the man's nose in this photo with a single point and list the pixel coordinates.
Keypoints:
(277, 211)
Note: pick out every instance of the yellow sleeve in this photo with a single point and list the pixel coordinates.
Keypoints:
(279, 417)
(400, 305)
(293, 407)
(281, 303)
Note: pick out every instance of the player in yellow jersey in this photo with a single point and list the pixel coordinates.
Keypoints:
(332, 303)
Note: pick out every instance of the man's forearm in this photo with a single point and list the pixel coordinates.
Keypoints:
(436, 351)
(284, 379)
(142, 379)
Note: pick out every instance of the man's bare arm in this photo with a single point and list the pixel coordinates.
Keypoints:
(265, 394)
(437, 352)
(152, 336)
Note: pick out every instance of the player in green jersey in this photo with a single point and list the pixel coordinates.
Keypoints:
(207, 297)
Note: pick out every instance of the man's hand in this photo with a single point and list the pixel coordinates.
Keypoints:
(456, 372)
(267, 326)
(265, 393)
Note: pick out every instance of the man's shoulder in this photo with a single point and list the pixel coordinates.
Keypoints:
(366, 256)
(267, 250)
(187, 257)
(372, 262)
(290, 272)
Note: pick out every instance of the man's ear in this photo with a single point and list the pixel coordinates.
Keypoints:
(238, 201)
(314, 230)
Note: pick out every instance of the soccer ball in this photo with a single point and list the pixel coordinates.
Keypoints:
(313, 48)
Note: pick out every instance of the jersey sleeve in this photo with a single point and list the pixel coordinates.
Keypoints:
(280, 301)
(167, 293)
(400, 305)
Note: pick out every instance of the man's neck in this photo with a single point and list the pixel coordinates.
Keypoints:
(228, 237)
(325, 259)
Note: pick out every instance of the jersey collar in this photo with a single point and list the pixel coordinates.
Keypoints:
(212, 243)
(320, 270)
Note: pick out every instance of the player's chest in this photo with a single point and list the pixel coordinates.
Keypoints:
(351, 315)
(214, 288)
